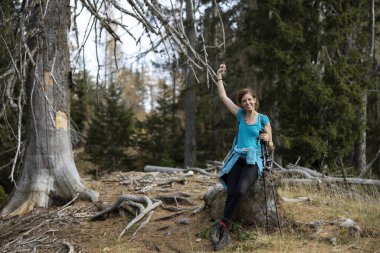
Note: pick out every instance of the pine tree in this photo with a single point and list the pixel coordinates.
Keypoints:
(160, 138)
(111, 133)
(83, 98)
(299, 57)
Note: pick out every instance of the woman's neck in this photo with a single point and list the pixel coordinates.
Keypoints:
(250, 113)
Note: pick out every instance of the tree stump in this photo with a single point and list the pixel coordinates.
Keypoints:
(253, 209)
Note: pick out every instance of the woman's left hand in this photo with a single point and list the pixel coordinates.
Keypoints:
(264, 137)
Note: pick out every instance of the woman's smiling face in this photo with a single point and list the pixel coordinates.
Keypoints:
(248, 102)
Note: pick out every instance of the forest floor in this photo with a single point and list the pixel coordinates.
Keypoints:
(60, 228)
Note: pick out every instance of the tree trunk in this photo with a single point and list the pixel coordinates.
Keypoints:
(190, 98)
(361, 144)
(49, 175)
(254, 208)
(377, 87)
(378, 126)
(275, 124)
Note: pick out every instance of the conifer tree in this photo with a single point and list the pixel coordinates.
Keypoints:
(307, 70)
(110, 133)
(161, 135)
(83, 98)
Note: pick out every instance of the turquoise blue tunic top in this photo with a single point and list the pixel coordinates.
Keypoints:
(246, 144)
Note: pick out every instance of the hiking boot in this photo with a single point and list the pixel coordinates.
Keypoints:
(224, 241)
(215, 232)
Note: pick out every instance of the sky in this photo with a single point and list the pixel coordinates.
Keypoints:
(128, 46)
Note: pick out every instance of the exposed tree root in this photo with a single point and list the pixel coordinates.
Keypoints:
(176, 198)
(68, 245)
(134, 201)
(143, 224)
(150, 206)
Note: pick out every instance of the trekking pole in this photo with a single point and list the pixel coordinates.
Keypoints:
(274, 192)
(267, 165)
(262, 156)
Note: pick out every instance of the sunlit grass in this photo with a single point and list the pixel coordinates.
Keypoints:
(327, 204)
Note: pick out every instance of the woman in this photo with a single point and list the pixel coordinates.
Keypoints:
(243, 165)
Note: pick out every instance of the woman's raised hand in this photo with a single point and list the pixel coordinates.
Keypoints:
(220, 71)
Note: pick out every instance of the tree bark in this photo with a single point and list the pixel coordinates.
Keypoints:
(361, 143)
(254, 208)
(377, 165)
(190, 96)
(49, 175)
(377, 87)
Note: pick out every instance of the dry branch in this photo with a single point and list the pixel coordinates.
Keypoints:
(202, 171)
(152, 168)
(168, 182)
(312, 173)
(296, 200)
(316, 181)
(311, 177)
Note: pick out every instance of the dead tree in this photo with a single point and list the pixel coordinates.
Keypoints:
(49, 172)
(41, 68)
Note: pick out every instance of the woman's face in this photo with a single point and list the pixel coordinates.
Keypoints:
(248, 102)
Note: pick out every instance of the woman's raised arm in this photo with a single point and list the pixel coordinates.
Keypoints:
(231, 106)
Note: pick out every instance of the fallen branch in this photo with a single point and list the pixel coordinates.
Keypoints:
(202, 171)
(304, 169)
(316, 181)
(169, 181)
(278, 165)
(296, 200)
(296, 172)
(152, 168)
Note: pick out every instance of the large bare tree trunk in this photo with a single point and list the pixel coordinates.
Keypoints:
(49, 174)
(190, 98)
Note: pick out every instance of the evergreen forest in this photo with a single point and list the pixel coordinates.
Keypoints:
(314, 65)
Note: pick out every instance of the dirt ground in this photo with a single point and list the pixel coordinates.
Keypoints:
(159, 235)
(47, 230)
(68, 228)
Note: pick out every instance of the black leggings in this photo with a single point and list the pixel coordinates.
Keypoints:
(239, 179)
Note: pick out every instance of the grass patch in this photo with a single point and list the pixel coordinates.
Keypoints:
(327, 204)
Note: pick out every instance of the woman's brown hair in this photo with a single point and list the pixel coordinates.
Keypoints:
(243, 92)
